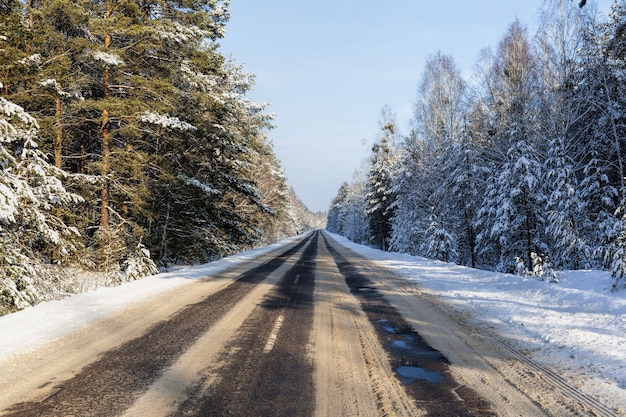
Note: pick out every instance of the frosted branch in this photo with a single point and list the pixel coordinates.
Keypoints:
(169, 122)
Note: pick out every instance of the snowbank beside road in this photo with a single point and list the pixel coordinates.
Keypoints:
(32, 327)
(577, 327)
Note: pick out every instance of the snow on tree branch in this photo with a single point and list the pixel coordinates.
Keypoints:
(53, 85)
(197, 79)
(174, 31)
(169, 122)
(209, 191)
(33, 60)
(107, 58)
(13, 110)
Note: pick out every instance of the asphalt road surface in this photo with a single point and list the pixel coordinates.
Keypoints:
(307, 330)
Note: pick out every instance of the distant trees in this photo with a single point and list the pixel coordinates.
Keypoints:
(527, 162)
(346, 214)
(128, 111)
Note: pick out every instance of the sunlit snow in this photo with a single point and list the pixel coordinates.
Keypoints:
(577, 327)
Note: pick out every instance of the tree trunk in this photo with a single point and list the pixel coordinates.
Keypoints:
(58, 140)
(106, 135)
(83, 158)
(31, 24)
(528, 241)
(106, 155)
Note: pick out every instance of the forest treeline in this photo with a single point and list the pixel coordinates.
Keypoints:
(127, 144)
(519, 169)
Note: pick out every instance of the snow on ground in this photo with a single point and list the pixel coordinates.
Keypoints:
(33, 327)
(577, 327)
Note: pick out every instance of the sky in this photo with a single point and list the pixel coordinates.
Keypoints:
(328, 67)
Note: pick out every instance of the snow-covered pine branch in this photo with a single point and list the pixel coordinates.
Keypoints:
(12, 110)
(108, 58)
(181, 34)
(209, 191)
(29, 188)
(170, 122)
(31, 60)
(54, 86)
(197, 79)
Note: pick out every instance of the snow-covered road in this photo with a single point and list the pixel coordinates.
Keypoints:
(576, 327)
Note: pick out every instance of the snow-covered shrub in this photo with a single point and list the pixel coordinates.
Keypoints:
(139, 264)
(17, 289)
(110, 252)
(541, 270)
(440, 242)
(119, 261)
(520, 267)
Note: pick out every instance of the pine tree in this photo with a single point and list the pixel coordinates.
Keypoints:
(565, 209)
(461, 192)
(136, 98)
(411, 202)
(30, 189)
(600, 127)
(439, 242)
(379, 211)
(513, 208)
(511, 219)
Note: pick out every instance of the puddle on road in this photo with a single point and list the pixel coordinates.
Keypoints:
(400, 344)
(421, 369)
(410, 374)
(412, 351)
(389, 329)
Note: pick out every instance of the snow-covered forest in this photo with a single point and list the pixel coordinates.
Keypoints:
(127, 144)
(520, 168)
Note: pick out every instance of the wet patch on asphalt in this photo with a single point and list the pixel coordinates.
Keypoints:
(422, 370)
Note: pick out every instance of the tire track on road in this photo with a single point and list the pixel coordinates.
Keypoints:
(423, 371)
(513, 382)
(254, 380)
(109, 385)
(353, 373)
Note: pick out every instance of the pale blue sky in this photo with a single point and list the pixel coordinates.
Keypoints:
(329, 66)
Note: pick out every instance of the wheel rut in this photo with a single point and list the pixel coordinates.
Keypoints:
(264, 370)
(109, 385)
(422, 370)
